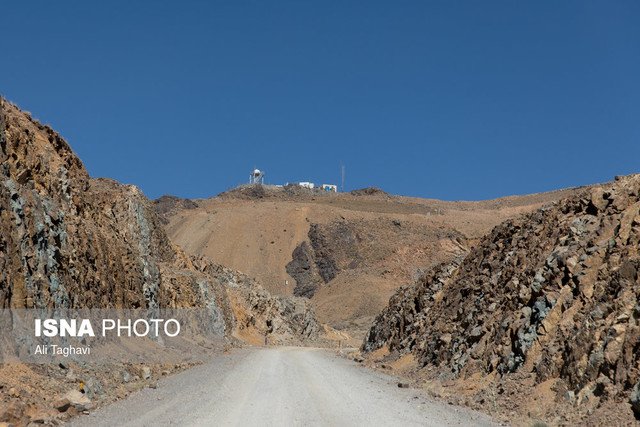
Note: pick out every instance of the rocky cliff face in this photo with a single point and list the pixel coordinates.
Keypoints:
(314, 262)
(362, 244)
(167, 205)
(68, 240)
(548, 299)
(257, 313)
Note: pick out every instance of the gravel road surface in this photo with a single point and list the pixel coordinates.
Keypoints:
(280, 386)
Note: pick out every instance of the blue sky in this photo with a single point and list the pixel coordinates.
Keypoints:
(440, 99)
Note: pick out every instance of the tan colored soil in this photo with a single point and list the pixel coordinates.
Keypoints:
(258, 236)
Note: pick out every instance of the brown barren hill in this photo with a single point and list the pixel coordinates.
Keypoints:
(347, 252)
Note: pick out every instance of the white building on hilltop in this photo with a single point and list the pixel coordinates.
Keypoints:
(256, 177)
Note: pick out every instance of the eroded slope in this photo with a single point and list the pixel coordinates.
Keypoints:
(70, 241)
(347, 252)
(544, 313)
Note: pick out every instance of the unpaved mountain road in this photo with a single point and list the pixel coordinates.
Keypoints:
(280, 386)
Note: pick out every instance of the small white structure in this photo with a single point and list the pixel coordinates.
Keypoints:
(256, 177)
(329, 187)
(309, 185)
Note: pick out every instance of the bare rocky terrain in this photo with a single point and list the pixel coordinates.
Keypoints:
(71, 241)
(347, 252)
(524, 307)
(538, 321)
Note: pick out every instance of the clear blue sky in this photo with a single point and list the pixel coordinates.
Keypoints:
(441, 99)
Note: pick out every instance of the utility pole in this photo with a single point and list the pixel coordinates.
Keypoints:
(342, 186)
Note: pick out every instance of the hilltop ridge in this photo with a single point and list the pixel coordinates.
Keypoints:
(347, 252)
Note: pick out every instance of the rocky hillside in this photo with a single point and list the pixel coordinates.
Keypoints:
(167, 205)
(366, 245)
(541, 320)
(67, 239)
(256, 313)
(347, 252)
(71, 241)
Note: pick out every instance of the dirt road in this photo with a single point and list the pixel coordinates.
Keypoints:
(280, 387)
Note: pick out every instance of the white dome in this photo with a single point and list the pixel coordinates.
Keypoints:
(256, 172)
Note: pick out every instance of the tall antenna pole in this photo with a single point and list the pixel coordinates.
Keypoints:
(342, 186)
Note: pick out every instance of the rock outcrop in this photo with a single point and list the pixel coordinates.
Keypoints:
(370, 191)
(167, 206)
(257, 313)
(313, 263)
(68, 240)
(71, 241)
(344, 245)
(552, 297)
(273, 192)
